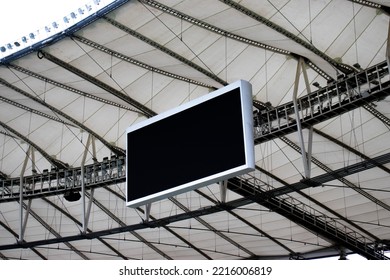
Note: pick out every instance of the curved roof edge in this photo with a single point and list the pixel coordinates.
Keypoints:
(62, 34)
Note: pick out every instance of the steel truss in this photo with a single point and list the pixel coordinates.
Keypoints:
(351, 92)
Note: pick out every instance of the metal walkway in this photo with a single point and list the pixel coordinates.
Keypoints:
(343, 95)
(308, 217)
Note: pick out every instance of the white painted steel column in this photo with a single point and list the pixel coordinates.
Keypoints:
(85, 212)
(388, 48)
(298, 120)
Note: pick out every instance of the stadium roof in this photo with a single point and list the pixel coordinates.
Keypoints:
(66, 101)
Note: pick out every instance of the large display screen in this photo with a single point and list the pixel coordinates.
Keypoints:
(203, 141)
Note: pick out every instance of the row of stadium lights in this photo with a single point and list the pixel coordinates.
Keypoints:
(56, 27)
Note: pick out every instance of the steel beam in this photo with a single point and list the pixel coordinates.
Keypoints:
(54, 162)
(114, 149)
(93, 80)
(243, 220)
(165, 50)
(327, 229)
(121, 197)
(342, 67)
(211, 228)
(70, 89)
(137, 62)
(347, 94)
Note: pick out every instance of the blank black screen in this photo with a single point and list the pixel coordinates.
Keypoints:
(203, 140)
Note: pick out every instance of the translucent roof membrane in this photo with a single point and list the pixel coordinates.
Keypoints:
(67, 103)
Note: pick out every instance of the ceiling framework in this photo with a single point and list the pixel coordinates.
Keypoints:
(65, 107)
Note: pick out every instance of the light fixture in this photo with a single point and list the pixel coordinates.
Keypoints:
(316, 84)
(17, 44)
(72, 195)
(343, 254)
(357, 66)
(3, 49)
(32, 36)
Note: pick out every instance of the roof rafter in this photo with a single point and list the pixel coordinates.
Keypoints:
(210, 27)
(69, 216)
(53, 161)
(165, 50)
(230, 35)
(327, 228)
(121, 223)
(11, 231)
(341, 179)
(189, 244)
(52, 231)
(371, 4)
(114, 149)
(211, 228)
(97, 82)
(137, 62)
(341, 67)
(308, 197)
(69, 88)
(263, 233)
(34, 111)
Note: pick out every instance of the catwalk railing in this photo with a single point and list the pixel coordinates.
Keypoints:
(345, 94)
(57, 181)
(305, 215)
